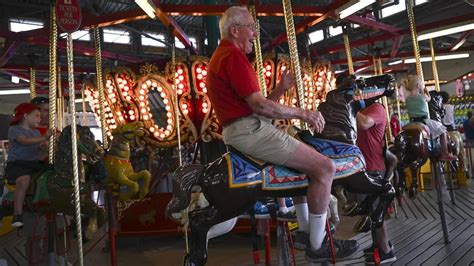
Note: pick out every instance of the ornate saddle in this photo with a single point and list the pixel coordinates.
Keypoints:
(244, 170)
(419, 126)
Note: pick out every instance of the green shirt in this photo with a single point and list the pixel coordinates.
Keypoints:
(416, 106)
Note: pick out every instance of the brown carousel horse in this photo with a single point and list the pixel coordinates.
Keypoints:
(53, 190)
(413, 146)
(228, 198)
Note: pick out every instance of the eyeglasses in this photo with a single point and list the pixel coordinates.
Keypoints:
(252, 26)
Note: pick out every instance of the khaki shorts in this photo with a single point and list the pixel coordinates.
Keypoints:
(257, 137)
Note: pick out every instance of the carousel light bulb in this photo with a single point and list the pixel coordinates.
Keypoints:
(320, 79)
(282, 101)
(169, 127)
(310, 100)
(180, 71)
(131, 112)
(162, 135)
(167, 132)
(150, 115)
(311, 94)
(185, 111)
(204, 110)
(108, 82)
(181, 77)
(159, 89)
(145, 117)
(120, 86)
(204, 105)
(184, 106)
(168, 114)
(199, 76)
(142, 104)
(125, 93)
(283, 68)
(204, 90)
(143, 110)
(198, 70)
(294, 101)
(148, 83)
(120, 118)
(142, 91)
(204, 73)
(165, 101)
(268, 67)
(319, 88)
(128, 98)
(119, 80)
(152, 129)
(163, 95)
(268, 74)
(167, 108)
(170, 121)
(156, 134)
(141, 98)
(144, 86)
(202, 85)
(132, 117)
(179, 92)
(126, 88)
(154, 84)
(181, 86)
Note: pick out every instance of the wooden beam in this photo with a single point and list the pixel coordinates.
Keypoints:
(461, 40)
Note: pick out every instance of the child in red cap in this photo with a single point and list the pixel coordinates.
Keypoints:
(22, 160)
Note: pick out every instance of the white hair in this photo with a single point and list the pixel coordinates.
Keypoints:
(231, 16)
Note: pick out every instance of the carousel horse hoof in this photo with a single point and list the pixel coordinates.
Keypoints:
(188, 261)
(363, 225)
(412, 193)
(349, 208)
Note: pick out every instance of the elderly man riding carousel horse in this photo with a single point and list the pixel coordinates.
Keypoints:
(233, 182)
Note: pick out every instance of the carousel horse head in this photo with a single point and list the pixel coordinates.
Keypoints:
(342, 104)
(86, 145)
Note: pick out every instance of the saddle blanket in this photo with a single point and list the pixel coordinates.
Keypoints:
(244, 171)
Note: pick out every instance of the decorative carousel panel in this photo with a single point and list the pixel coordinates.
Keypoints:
(123, 82)
(205, 117)
(324, 81)
(155, 102)
(92, 96)
(185, 98)
(269, 73)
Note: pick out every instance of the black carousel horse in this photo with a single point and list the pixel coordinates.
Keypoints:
(229, 196)
(52, 191)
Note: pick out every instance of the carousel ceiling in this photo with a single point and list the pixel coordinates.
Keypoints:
(133, 38)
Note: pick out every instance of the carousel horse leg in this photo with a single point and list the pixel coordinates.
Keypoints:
(363, 184)
(142, 175)
(200, 221)
(132, 187)
(453, 166)
(413, 191)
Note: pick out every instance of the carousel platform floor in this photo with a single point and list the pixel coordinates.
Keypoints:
(416, 234)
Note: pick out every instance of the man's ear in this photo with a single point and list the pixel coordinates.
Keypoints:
(233, 31)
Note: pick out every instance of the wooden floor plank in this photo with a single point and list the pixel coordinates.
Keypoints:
(414, 245)
(444, 251)
(436, 243)
(468, 258)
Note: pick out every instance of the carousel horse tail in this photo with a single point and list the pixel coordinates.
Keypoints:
(184, 178)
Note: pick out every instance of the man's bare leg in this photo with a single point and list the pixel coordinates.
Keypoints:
(320, 171)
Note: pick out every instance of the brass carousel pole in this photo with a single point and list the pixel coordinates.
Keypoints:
(53, 37)
(388, 131)
(374, 62)
(347, 46)
(32, 82)
(59, 101)
(258, 52)
(100, 86)
(72, 106)
(294, 58)
(84, 107)
(433, 65)
(414, 38)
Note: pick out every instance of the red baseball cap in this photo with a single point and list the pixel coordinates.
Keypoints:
(21, 110)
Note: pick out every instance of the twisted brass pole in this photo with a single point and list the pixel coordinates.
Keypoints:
(433, 65)
(414, 38)
(258, 52)
(52, 81)
(294, 57)
(347, 45)
(388, 131)
(72, 106)
(100, 86)
(32, 82)
(59, 101)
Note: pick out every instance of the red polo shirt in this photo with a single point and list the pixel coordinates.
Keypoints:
(230, 79)
(371, 141)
